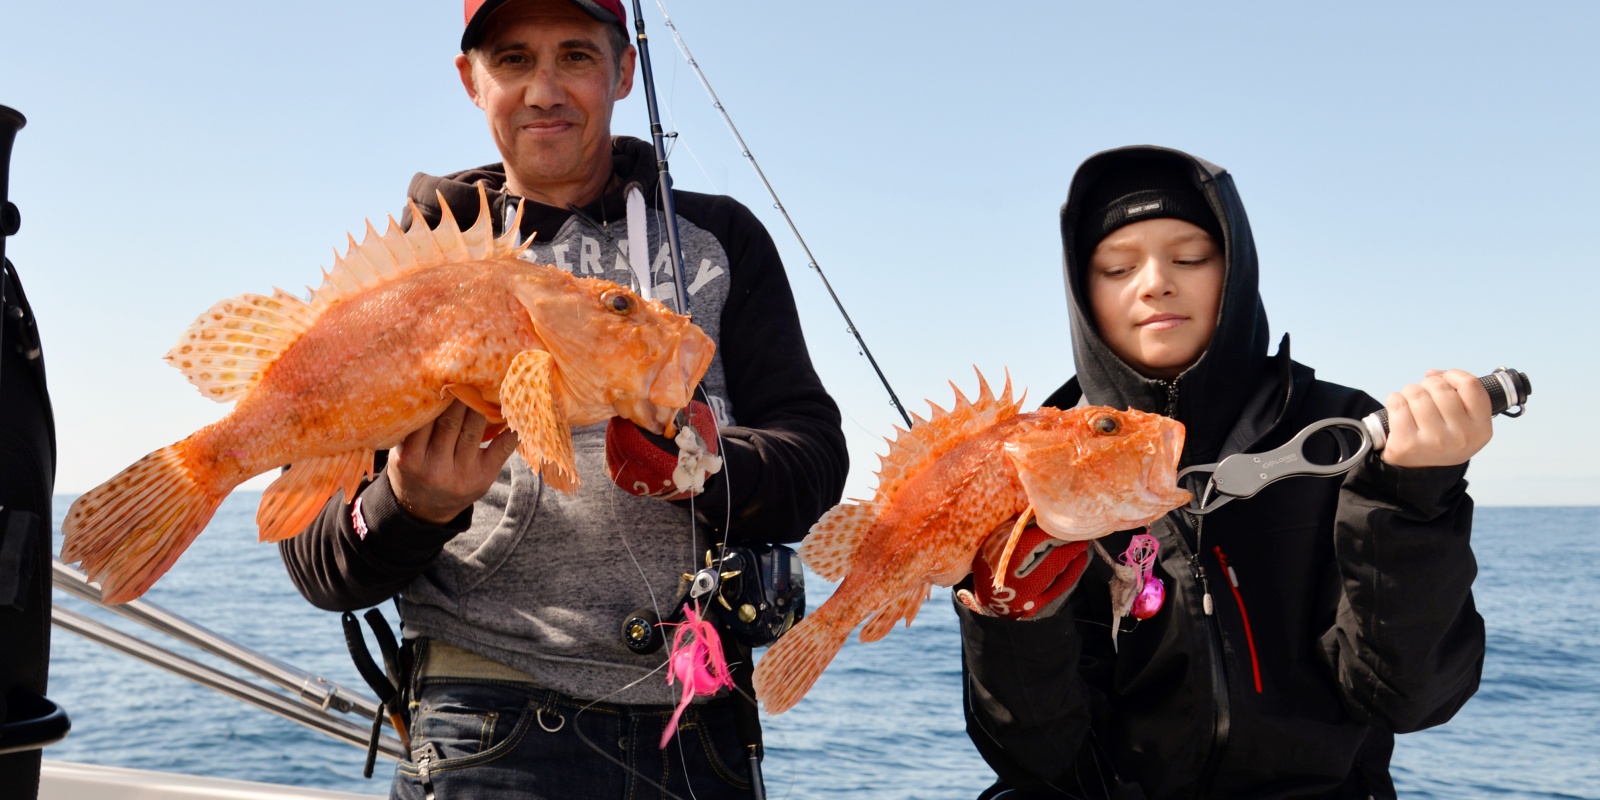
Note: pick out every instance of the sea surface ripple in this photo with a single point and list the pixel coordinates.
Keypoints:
(885, 719)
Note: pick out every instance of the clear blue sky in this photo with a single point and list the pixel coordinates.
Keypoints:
(1422, 180)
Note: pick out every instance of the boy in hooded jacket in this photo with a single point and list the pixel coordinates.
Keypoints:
(1303, 627)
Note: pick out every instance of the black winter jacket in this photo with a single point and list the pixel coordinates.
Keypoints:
(1342, 610)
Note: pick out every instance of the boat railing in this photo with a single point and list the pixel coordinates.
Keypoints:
(315, 702)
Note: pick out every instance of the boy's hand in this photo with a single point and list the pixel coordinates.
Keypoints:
(441, 469)
(1042, 570)
(1440, 422)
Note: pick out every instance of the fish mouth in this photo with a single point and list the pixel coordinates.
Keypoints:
(1159, 487)
(673, 385)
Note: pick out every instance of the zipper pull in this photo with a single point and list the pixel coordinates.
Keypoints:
(1199, 573)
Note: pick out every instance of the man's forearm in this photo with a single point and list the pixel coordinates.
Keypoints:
(357, 555)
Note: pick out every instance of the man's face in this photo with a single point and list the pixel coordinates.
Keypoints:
(544, 75)
(1155, 287)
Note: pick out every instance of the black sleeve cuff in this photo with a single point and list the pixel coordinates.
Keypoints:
(1420, 493)
(395, 536)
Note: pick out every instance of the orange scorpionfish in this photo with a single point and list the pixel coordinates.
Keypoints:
(949, 483)
(403, 323)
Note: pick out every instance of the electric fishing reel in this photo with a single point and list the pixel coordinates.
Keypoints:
(756, 592)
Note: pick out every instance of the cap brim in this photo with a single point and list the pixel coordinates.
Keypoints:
(480, 20)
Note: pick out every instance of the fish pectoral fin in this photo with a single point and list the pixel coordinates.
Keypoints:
(903, 607)
(290, 504)
(829, 548)
(474, 399)
(1002, 568)
(532, 409)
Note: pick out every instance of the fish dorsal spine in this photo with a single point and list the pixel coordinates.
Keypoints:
(228, 349)
(911, 451)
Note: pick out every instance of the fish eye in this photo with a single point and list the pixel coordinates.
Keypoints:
(1107, 425)
(618, 303)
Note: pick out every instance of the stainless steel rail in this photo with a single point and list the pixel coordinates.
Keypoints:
(315, 689)
(316, 697)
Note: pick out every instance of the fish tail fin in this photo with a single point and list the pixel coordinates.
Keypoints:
(793, 664)
(128, 531)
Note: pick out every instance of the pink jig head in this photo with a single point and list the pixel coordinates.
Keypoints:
(1141, 556)
(697, 662)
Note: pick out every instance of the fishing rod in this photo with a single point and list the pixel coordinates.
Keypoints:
(811, 260)
(658, 138)
(765, 583)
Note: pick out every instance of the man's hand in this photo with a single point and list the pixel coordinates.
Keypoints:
(442, 468)
(1042, 570)
(1440, 422)
(644, 464)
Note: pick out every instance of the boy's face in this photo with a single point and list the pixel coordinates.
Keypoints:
(1155, 287)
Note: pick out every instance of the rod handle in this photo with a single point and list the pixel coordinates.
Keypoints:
(1508, 389)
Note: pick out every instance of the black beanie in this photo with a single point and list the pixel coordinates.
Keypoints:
(1139, 191)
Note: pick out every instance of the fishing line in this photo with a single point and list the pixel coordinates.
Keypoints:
(670, 222)
(666, 663)
(776, 203)
(613, 759)
(700, 606)
(716, 189)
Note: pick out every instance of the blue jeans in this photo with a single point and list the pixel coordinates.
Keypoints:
(473, 739)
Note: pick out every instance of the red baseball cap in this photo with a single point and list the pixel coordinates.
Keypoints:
(478, 11)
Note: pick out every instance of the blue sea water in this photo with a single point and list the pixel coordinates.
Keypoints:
(885, 719)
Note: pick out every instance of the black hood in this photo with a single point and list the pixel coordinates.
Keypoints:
(632, 161)
(1210, 394)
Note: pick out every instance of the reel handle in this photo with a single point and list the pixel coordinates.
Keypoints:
(1508, 389)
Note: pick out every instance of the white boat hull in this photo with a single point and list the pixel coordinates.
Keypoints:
(63, 780)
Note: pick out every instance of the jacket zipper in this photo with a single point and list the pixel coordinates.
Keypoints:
(1221, 720)
(1249, 638)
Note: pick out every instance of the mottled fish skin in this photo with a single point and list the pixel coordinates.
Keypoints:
(405, 323)
(946, 486)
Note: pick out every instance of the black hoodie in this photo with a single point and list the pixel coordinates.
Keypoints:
(542, 581)
(1341, 612)
(1208, 396)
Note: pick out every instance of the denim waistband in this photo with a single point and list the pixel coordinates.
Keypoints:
(442, 661)
(445, 660)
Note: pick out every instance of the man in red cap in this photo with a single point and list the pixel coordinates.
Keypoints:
(515, 596)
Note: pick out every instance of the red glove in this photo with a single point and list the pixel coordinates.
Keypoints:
(647, 465)
(1042, 570)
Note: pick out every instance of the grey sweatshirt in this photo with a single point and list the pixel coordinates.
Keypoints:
(542, 581)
